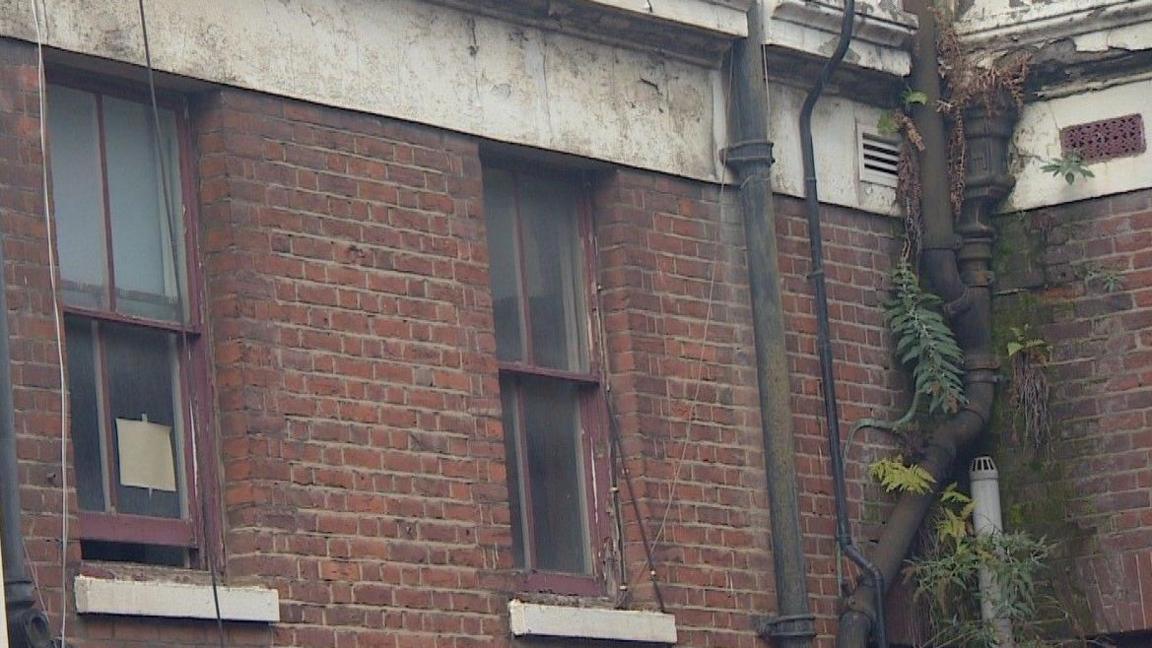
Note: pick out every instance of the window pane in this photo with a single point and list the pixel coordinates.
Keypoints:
(553, 273)
(84, 404)
(503, 265)
(511, 417)
(554, 463)
(78, 196)
(146, 283)
(143, 386)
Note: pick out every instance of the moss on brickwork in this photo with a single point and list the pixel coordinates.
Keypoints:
(1037, 494)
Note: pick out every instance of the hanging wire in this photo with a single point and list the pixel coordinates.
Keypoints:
(49, 223)
(175, 227)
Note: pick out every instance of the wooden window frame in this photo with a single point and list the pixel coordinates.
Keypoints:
(198, 492)
(592, 405)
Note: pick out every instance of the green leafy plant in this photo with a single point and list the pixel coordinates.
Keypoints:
(1108, 279)
(947, 582)
(954, 515)
(1069, 166)
(1023, 342)
(912, 97)
(896, 476)
(925, 342)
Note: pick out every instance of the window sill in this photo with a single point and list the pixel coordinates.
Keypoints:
(534, 620)
(174, 600)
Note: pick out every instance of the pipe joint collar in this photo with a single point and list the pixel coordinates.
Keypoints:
(786, 626)
(742, 155)
(28, 628)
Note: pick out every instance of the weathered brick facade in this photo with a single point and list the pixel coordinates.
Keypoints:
(1080, 275)
(356, 416)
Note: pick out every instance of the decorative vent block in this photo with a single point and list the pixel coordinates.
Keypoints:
(1105, 139)
(879, 158)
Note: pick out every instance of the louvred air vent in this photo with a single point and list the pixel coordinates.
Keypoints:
(879, 158)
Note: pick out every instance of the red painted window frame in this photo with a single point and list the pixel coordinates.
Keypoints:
(199, 491)
(593, 406)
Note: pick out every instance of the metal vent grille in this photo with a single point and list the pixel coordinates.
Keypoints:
(879, 158)
(1105, 139)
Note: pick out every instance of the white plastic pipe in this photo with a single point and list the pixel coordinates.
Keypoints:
(987, 520)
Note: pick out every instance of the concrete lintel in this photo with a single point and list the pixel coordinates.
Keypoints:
(174, 600)
(531, 619)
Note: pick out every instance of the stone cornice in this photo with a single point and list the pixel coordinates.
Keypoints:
(809, 29)
(700, 31)
(1075, 43)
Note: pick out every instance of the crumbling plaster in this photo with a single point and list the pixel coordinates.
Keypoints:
(1090, 62)
(1037, 141)
(421, 62)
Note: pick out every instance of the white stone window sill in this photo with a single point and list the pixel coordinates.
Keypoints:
(534, 620)
(174, 600)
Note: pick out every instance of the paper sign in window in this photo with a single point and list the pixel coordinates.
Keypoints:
(145, 453)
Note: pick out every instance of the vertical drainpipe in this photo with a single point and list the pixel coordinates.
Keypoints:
(25, 624)
(750, 157)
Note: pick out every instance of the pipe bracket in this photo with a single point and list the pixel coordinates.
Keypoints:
(787, 626)
(746, 153)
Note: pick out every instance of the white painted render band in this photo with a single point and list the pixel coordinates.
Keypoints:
(724, 16)
(175, 600)
(1037, 141)
(421, 62)
(531, 619)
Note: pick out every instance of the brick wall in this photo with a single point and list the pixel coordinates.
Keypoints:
(355, 386)
(1089, 486)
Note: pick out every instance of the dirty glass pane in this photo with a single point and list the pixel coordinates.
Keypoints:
(78, 196)
(146, 280)
(553, 273)
(554, 461)
(503, 268)
(143, 386)
(508, 401)
(84, 399)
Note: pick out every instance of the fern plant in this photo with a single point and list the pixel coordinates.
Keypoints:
(896, 476)
(925, 343)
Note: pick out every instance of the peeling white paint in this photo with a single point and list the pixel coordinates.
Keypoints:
(996, 24)
(175, 600)
(880, 41)
(535, 620)
(425, 63)
(1037, 140)
(834, 124)
(724, 16)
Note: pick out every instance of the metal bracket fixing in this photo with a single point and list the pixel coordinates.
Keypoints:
(790, 626)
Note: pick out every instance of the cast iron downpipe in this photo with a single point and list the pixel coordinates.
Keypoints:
(874, 577)
(751, 158)
(27, 625)
(957, 270)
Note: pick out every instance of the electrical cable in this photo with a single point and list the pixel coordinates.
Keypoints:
(57, 322)
(618, 455)
(175, 226)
